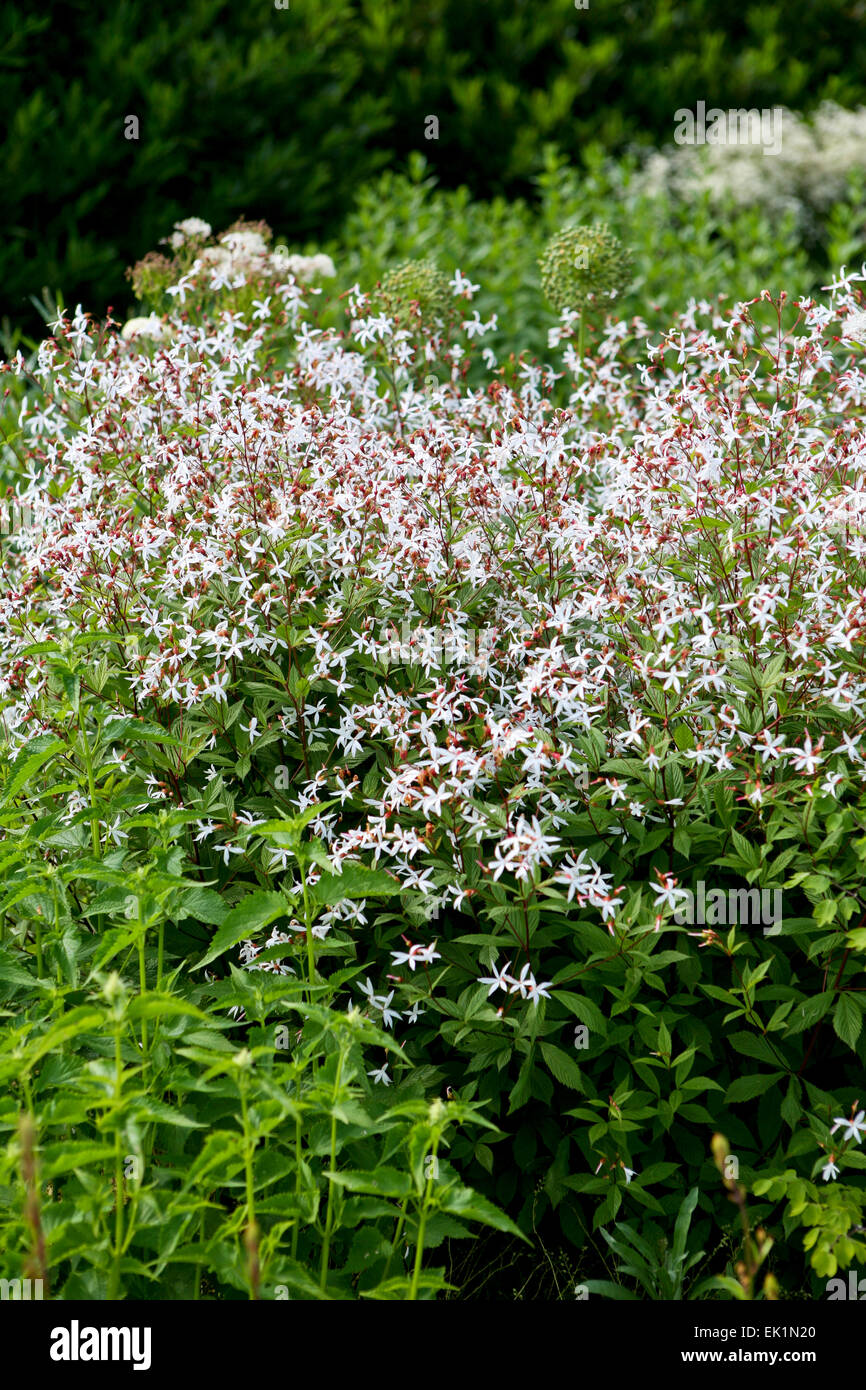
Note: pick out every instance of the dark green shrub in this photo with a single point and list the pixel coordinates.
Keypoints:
(285, 113)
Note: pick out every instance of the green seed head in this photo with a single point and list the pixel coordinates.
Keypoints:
(419, 282)
(579, 263)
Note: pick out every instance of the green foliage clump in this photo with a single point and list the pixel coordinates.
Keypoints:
(680, 248)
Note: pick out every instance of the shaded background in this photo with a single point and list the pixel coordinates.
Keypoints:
(245, 109)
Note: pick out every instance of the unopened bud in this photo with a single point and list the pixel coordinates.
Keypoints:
(113, 988)
(436, 1113)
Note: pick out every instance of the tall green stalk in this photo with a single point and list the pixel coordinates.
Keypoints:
(308, 926)
(329, 1215)
(252, 1232)
(142, 981)
(412, 1295)
(91, 791)
(296, 1229)
(114, 1278)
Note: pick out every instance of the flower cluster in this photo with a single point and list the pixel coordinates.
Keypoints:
(808, 174)
(854, 1127)
(204, 266)
(668, 598)
(524, 984)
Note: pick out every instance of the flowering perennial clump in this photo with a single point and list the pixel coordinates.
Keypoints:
(658, 545)
(240, 263)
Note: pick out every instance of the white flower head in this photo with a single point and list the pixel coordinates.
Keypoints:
(193, 228)
(245, 243)
(854, 327)
(144, 327)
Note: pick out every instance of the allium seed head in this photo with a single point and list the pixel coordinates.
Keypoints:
(416, 282)
(579, 263)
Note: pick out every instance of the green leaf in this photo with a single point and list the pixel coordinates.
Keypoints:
(256, 911)
(11, 973)
(791, 1109)
(383, 1182)
(463, 1201)
(584, 1009)
(682, 843)
(847, 1020)
(163, 1006)
(356, 881)
(609, 1290)
(746, 851)
(522, 1088)
(681, 1229)
(825, 911)
(748, 1087)
(204, 905)
(564, 1068)
(753, 1045)
(154, 1109)
(65, 1157)
(397, 1289)
(289, 831)
(723, 1283)
(72, 686)
(808, 1011)
(608, 1208)
(23, 771)
(129, 730)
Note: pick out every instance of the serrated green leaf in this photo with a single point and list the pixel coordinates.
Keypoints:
(847, 1021)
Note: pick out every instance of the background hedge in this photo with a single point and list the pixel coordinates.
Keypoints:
(245, 109)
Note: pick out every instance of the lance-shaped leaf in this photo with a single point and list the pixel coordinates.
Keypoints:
(256, 911)
(24, 769)
(356, 881)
